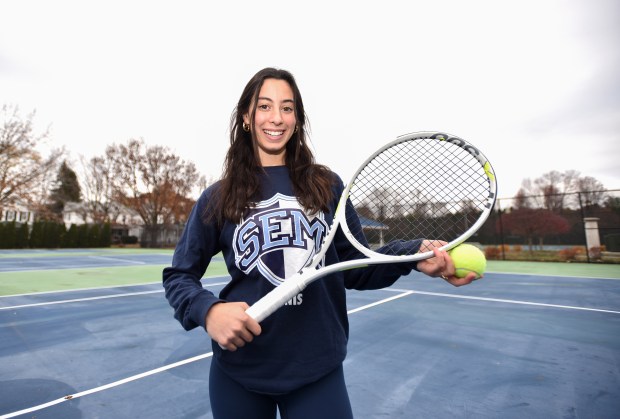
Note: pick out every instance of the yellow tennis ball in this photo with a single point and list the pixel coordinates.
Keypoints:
(468, 258)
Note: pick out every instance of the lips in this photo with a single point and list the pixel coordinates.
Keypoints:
(273, 133)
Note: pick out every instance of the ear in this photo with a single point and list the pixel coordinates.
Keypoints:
(246, 119)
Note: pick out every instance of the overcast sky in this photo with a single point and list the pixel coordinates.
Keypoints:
(535, 84)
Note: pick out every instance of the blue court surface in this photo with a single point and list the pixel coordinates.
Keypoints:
(508, 346)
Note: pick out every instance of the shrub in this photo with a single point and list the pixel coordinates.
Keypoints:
(105, 237)
(492, 252)
(612, 242)
(595, 252)
(70, 239)
(21, 238)
(129, 240)
(570, 253)
(8, 235)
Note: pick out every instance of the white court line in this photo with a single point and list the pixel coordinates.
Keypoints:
(158, 370)
(499, 300)
(403, 293)
(100, 297)
(106, 386)
(103, 287)
(386, 300)
(62, 268)
(77, 300)
(116, 259)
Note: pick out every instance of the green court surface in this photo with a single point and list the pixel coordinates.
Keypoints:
(583, 270)
(24, 282)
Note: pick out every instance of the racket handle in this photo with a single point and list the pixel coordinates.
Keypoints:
(275, 299)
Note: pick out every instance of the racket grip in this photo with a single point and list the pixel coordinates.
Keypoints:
(275, 299)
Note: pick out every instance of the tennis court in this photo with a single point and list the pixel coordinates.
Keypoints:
(89, 334)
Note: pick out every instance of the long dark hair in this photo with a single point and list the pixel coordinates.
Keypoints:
(239, 186)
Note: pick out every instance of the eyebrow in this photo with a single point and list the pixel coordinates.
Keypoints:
(271, 100)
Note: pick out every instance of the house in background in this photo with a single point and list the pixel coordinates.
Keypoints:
(18, 212)
(124, 222)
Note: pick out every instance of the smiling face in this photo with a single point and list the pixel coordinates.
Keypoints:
(274, 121)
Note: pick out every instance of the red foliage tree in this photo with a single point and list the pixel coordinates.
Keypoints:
(534, 223)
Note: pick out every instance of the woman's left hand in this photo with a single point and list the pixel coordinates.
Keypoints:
(441, 265)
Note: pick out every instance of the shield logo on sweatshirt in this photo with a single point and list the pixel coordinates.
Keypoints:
(278, 238)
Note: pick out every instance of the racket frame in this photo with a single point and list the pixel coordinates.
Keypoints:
(309, 273)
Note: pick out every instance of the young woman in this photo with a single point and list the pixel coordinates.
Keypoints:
(265, 215)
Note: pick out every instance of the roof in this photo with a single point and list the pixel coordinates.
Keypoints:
(372, 224)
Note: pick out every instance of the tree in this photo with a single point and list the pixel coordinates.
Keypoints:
(22, 167)
(521, 200)
(21, 239)
(152, 180)
(70, 239)
(98, 190)
(534, 223)
(554, 185)
(613, 203)
(592, 192)
(66, 189)
(9, 235)
(552, 190)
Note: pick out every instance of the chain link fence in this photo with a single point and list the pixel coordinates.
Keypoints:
(578, 226)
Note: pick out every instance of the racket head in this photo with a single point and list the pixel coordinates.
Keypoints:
(423, 185)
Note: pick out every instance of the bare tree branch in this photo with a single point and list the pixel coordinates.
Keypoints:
(22, 167)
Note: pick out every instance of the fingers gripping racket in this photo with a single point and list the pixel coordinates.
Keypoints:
(425, 185)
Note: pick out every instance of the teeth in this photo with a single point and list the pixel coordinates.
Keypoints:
(273, 133)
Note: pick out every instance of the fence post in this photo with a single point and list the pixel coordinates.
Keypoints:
(590, 225)
(501, 229)
(585, 235)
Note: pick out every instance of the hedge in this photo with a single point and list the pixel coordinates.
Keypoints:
(53, 235)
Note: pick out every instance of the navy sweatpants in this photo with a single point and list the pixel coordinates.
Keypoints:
(326, 398)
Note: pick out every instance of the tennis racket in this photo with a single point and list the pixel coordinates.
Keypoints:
(424, 185)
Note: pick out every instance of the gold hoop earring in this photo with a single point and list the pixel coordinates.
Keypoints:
(246, 127)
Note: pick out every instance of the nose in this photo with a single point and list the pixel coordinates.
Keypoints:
(276, 117)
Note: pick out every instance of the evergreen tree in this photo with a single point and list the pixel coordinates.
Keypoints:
(36, 235)
(93, 236)
(21, 238)
(82, 236)
(67, 189)
(105, 239)
(70, 239)
(8, 235)
(53, 233)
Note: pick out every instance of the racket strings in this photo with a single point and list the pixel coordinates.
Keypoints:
(419, 189)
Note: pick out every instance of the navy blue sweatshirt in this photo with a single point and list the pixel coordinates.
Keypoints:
(305, 339)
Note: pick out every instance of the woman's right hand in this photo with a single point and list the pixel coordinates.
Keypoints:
(230, 326)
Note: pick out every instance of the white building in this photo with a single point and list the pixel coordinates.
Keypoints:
(124, 221)
(17, 212)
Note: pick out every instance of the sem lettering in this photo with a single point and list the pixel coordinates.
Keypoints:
(276, 229)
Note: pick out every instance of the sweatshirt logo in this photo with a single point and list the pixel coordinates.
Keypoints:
(278, 238)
